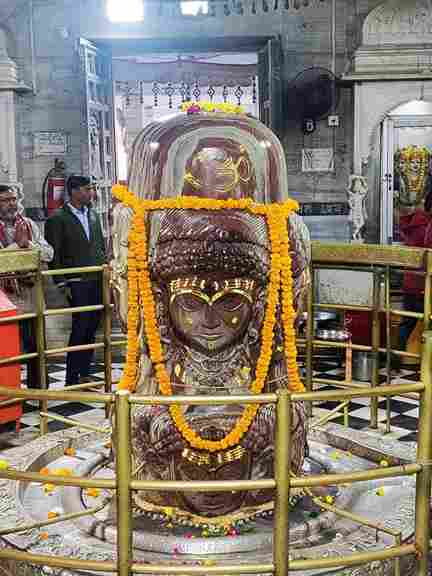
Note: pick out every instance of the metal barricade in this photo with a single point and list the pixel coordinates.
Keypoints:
(282, 483)
(380, 261)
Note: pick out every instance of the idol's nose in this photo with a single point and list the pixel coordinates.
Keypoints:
(211, 320)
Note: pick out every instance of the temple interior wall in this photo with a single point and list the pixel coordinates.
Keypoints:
(53, 103)
(53, 71)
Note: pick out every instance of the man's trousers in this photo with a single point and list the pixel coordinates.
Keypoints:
(84, 326)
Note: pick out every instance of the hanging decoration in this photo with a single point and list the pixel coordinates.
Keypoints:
(211, 92)
(238, 93)
(172, 95)
(254, 90)
(241, 7)
(182, 91)
(169, 91)
(196, 91)
(156, 92)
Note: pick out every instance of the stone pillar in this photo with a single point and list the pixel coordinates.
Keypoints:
(8, 85)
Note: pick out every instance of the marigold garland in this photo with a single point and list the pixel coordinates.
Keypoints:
(140, 292)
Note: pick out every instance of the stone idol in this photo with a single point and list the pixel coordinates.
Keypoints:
(357, 194)
(200, 264)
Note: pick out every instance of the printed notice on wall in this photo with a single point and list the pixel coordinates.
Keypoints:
(317, 160)
(50, 143)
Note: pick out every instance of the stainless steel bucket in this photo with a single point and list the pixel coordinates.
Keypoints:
(362, 365)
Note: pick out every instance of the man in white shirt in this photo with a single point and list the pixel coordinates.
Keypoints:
(17, 231)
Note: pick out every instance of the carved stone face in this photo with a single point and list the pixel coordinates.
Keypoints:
(210, 314)
(415, 165)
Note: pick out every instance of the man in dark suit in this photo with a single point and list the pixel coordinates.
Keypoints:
(75, 233)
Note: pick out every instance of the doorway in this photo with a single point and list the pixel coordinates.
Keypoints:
(103, 130)
(406, 154)
(162, 82)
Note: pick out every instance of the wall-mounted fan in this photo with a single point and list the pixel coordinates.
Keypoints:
(315, 93)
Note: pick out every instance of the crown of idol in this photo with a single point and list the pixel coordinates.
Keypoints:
(414, 152)
(203, 284)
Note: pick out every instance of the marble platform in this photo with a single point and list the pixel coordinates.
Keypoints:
(314, 534)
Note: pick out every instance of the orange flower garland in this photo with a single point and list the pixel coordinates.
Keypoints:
(140, 290)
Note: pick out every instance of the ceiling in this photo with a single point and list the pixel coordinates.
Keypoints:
(244, 58)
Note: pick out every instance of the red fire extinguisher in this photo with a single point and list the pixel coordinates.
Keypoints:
(53, 189)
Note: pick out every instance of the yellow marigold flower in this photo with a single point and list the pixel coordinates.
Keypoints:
(92, 492)
(329, 499)
(49, 488)
(380, 491)
(168, 511)
(62, 472)
(384, 463)
(4, 464)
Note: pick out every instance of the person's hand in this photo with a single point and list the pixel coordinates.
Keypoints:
(22, 235)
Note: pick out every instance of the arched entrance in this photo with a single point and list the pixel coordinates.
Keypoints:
(392, 91)
(406, 152)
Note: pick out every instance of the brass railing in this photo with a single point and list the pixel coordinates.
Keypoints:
(380, 261)
(124, 483)
(28, 262)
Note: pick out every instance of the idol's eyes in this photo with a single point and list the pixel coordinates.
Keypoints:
(230, 302)
(190, 302)
(223, 302)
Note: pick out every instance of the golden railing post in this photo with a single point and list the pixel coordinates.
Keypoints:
(282, 466)
(424, 457)
(123, 468)
(428, 292)
(107, 327)
(375, 345)
(388, 340)
(40, 347)
(309, 337)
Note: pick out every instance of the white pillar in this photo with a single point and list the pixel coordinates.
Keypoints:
(8, 85)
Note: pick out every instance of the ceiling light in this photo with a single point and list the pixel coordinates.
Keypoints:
(125, 10)
(194, 8)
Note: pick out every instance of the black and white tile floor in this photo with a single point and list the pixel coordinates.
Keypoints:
(403, 411)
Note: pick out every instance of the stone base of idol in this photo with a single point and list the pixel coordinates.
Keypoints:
(165, 538)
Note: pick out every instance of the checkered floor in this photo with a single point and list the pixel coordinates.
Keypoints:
(403, 411)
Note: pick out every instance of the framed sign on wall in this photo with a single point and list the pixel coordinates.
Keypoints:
(50, 143)
(317, 160)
